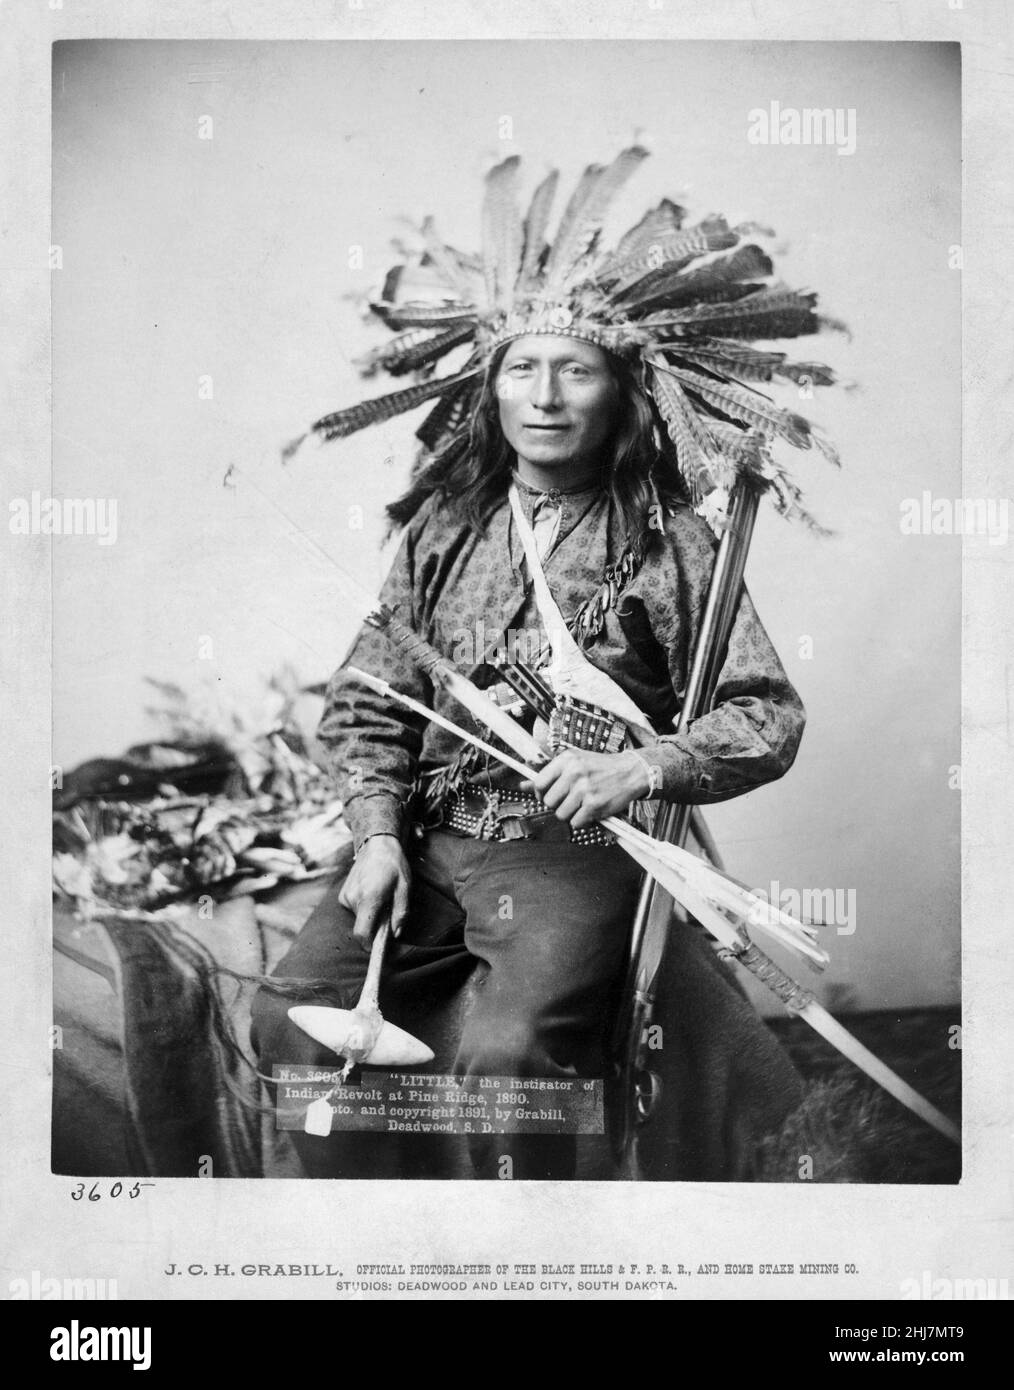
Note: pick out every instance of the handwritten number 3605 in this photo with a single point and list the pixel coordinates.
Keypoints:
(94, 1195)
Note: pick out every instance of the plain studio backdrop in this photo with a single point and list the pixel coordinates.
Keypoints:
(219, 210)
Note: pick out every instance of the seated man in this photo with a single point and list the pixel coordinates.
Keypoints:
(548, 912)
(564, 491)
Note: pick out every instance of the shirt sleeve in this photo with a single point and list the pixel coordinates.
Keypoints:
(753, 730)
(372, 743)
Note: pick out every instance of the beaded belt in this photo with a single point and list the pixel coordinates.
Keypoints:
(511, 815)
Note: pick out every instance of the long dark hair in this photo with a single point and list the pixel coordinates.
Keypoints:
(473, 472)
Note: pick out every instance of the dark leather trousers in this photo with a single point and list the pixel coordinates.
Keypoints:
(546, 922)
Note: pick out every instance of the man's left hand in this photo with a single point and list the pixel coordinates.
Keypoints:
(583, 787)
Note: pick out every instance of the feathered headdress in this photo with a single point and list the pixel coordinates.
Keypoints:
(683, 302)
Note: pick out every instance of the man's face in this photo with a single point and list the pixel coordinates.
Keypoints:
(557, 398)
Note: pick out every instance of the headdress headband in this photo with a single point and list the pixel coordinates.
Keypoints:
(683, 302)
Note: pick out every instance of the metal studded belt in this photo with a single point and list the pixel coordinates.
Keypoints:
(492, 814)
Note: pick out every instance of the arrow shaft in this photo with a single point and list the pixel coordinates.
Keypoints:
(644, 849)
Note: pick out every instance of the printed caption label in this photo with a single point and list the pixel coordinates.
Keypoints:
(407, 1103)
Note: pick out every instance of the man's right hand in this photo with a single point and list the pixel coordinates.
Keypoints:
(377, 888)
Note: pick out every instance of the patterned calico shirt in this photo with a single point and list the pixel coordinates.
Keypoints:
(470, 596)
